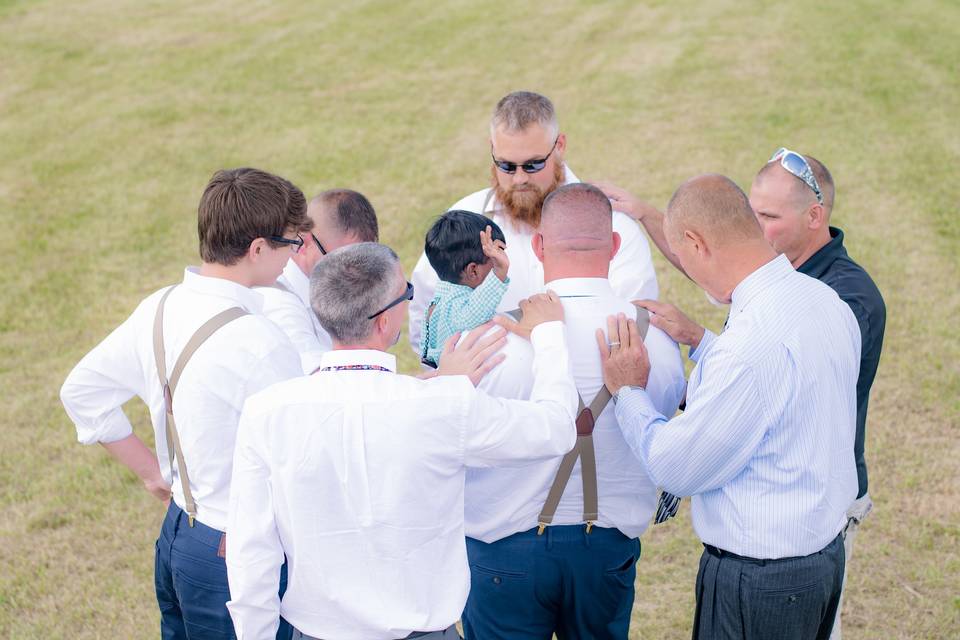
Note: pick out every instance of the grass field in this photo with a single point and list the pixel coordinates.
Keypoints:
(113, 115)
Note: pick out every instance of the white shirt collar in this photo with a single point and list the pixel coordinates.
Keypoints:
(244, 296)
(576, 287)
(348, 357)
(298, 280)
(757, 281)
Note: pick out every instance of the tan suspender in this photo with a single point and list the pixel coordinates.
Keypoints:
(170, 385)
(583, 449)
(282, 287)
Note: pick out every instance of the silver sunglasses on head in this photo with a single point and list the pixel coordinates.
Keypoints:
(797, 165)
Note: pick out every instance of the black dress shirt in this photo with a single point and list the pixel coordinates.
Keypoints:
(832, 266)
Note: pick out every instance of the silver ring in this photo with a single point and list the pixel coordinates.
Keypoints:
(613, 344)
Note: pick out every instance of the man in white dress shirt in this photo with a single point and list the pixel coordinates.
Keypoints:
(574, 577)
(356, 473)
(765, 445)
(340, 217)
(248, 222)
(528, 152)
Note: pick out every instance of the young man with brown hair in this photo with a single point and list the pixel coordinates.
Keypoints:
(210, 330)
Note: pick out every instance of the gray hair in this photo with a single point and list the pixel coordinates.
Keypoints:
(350, 284)
(518, 110)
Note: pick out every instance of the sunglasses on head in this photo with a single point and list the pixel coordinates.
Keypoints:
(407, 295)
(797, 165)
(530, 166)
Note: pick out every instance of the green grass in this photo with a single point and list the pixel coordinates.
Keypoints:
(113, 115)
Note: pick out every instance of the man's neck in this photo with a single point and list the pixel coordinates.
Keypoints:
(818, 241)
(360, 346)
(233, 273)
(742, 262)
(572, 266)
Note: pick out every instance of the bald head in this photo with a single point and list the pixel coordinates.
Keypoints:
(577, 217)
(801, 195)
(716, 208)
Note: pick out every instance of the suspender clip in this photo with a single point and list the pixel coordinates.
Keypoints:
(190, 519)
(589, 525)
(540, 527)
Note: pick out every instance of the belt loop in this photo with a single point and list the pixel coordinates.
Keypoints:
(586, 536)
(549, 538)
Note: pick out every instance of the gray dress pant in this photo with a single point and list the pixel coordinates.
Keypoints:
(784, 599)
(449, 633)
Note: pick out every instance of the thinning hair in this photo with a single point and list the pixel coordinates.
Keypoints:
(350, 212)
(518, 110)
(716, 208)
(801, 190)
(577, 217)
(241, 205)
(350, 284)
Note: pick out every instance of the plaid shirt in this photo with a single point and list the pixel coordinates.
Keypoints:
(457, 307)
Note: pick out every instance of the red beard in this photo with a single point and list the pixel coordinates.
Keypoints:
(523, 205)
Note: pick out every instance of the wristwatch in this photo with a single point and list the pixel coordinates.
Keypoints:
(626, 386)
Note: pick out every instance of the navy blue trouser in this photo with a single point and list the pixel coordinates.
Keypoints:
(566, 581)
(785, 599)
(191, 582)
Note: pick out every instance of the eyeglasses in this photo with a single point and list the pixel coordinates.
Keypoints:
(797, 165)
(298, 242)
(407, 295)
(530, 166)
(323, 251)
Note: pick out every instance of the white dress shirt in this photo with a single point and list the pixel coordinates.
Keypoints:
(501, 502)
(241, 358)
(631, 271)
(357, 476)
(289, 307)
(765, 446)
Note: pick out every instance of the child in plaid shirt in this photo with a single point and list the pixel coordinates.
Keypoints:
(467, 252)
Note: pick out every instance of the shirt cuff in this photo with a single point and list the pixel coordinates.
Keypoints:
(548, 334)
(633, 405)
(704, 346)
(113, 427)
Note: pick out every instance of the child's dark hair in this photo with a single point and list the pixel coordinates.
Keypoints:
(453, 242)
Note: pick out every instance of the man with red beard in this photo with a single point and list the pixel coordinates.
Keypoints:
(527, 150)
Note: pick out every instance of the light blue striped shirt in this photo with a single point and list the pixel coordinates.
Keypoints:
(765, 446)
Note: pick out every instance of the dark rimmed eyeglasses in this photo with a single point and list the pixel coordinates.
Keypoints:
(798, 166)
(316, 240)
(297, 242)
(407, 295)
(530, 166)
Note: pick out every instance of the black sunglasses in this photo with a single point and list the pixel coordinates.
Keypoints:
(323, 251)
(407, 295)
(530, 166)
(298, 242)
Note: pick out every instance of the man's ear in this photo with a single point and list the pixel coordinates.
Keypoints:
(256, 248)
(816, 216)
(536, 242)
(617, 241)
(561, 144)
(699, 245)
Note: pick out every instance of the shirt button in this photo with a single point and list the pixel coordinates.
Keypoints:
(497, 580)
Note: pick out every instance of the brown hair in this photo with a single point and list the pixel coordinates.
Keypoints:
(240, 205)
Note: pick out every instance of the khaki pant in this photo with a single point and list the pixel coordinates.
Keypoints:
(856, 514)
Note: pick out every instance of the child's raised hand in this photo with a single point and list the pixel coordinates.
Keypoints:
(496, 251)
